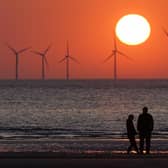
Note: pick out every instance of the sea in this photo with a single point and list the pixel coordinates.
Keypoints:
(53, 114)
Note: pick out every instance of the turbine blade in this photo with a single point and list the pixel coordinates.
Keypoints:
(37, 53)
(124, 55)
(46, 51)
(62, 60)
(165, 31)
(67, 47)
(74, 59)
(109, 57)
(46, 61)
(23, 50)
(11, 48)
(115, 43)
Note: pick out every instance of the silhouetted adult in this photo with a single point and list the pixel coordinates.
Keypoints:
(145, 128)
(131, 132)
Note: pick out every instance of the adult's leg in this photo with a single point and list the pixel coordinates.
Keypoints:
(141, 143)
(148, 143)
(129, 149)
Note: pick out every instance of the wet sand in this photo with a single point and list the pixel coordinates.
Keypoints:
(78, 145)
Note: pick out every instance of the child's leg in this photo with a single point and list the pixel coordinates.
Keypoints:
(131, 145)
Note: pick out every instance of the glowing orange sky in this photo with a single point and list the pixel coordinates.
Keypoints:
(88, 25)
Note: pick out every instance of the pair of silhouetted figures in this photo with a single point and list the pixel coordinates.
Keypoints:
(144, 127)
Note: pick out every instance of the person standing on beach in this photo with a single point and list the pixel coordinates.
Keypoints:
(145, 128)
(131, 132)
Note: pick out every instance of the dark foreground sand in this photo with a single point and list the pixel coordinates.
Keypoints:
(48, 160)
(85, 163)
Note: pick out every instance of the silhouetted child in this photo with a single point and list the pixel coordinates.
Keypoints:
(131, 132)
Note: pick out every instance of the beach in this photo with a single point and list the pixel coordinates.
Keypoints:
(88, 152)
(80, 152)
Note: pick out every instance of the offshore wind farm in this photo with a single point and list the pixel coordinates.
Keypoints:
(67, 58)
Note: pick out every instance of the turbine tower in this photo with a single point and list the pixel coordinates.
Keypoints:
(67, 58)
(115, 53)
(17, 54)
(44, 60)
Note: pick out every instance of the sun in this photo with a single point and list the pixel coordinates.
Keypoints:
(133, 29)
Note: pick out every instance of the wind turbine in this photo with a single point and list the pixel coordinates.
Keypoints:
(67, 58)
(165, 31)
(17, 54)
(43, 60)
(115, 53)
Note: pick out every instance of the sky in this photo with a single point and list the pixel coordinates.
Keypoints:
(89, 26)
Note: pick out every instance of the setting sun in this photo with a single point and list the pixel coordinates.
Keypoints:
(133, 29)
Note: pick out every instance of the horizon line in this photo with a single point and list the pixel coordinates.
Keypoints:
(72, 79)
